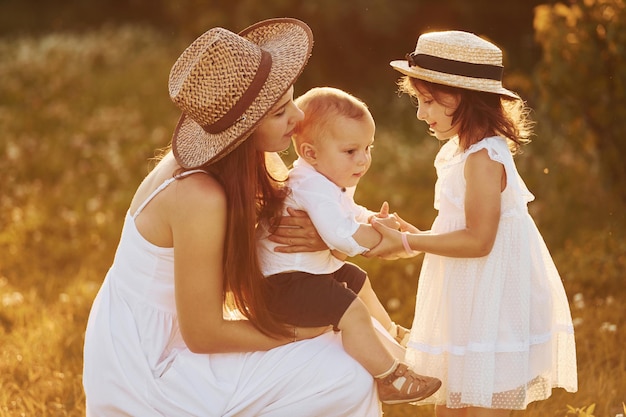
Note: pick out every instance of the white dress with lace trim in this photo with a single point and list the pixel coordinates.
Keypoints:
(497, 330)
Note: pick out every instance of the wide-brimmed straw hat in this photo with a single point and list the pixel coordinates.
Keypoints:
(457, 59)
(225, 83)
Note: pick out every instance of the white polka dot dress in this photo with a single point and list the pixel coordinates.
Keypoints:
(497, 330)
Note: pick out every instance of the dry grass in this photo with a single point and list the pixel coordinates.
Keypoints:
(80, 116)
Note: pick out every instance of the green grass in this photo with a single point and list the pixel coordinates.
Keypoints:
(80, 118)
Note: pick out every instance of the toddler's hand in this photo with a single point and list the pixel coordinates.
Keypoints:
(389, 220)
(384, 210)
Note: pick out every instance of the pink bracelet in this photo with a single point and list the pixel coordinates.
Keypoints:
(405, 243)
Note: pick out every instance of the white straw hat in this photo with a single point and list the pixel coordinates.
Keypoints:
(225, 83)
(457, 59)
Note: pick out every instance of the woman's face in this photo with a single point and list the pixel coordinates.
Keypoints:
(274, 132)
(438, 113)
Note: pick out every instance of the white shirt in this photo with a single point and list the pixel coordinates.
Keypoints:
(333, 212)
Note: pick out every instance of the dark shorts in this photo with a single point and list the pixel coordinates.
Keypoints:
(309, 300)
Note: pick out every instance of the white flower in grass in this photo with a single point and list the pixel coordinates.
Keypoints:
(579, 301)
(12, 299)
(608, 327)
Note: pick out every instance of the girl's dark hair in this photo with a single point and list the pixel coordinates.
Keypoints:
(252, 195)
(479, 114)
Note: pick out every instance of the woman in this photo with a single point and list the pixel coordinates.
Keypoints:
(180, 326)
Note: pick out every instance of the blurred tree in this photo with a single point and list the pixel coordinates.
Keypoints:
(582, 80)
(354, 41)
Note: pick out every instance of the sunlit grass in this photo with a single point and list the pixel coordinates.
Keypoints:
(41, 351)
(80, 117)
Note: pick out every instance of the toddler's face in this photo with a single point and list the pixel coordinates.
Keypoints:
(344, 154)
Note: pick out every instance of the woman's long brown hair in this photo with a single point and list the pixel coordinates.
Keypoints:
(252, 194)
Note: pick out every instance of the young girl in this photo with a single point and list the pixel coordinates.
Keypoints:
(158, 341)
(492, 320)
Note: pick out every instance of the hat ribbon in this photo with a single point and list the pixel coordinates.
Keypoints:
(236, 112)
(450, 66)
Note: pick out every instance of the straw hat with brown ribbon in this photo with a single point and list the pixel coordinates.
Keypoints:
(457, 59)
(225, 83)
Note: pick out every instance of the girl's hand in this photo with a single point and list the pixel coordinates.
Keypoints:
(390, 221)
(390, 246)
(406, 226)
(297, 233)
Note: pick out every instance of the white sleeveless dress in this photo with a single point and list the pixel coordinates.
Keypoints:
(496, 330)
(136, 362)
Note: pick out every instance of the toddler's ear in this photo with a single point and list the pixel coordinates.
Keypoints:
(308, 152)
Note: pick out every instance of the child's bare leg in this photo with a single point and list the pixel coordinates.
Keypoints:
(361, 341)
(396, 382)
(396, 350)
(377, 311)
(374, 305)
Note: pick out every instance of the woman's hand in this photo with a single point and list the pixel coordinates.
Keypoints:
(297, 233)
(390, 246)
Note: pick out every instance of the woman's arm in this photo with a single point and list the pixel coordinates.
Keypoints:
(198, 253)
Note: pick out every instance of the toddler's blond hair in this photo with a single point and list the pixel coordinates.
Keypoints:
(320, 106)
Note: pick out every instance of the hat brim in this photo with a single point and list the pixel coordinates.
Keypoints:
(453, 80)
(289, 42)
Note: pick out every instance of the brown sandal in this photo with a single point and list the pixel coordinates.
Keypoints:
(402, 385)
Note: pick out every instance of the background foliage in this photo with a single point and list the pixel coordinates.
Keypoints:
(83, 106)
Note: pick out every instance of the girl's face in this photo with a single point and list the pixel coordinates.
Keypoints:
(274, 132)
(343, 155)
(438, 113)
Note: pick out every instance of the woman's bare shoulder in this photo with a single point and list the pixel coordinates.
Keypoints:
(187, 191)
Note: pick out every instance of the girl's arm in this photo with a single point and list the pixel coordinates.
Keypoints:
(198, 249)
(485, 180)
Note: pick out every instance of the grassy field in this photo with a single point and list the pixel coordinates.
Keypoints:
(80, 118)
